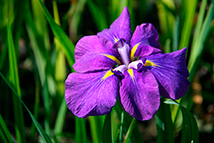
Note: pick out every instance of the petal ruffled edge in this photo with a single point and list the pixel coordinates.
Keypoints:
(144, 41)
(119, 29)
(139, 94)
(93, 53)
(92, 93)
(171, 73)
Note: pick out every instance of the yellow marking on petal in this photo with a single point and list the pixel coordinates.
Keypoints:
(134, 50)
(108, 73)
(113, 58)
(149, 63)
(115, 40)
(131, 73)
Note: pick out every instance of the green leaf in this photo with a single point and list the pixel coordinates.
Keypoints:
(14, 78)
(166, 16)
(190, 129)
(136, 135)
(170, 101)
(107, 130)
(80, 130)
(41, 22)
(164, 124)
(190, 7)
(3, 54)
(66, 45)
(130, 130)
(44, 136)
(60, 118)
(5, 134)
(175, 37)
(198, 46)
(98, 15)
(96, 125)
(121, 126)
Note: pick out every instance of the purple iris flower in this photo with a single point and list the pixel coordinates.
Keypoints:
(116, 63)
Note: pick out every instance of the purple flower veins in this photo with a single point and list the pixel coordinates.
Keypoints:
(115, 63)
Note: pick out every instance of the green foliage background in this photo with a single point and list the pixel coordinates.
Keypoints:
(37, 41)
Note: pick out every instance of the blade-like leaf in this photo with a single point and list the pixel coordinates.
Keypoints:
(187, 26)
(44, 136)
(107, 130)
(5, 134)
(80, 130)
(190, 132)
(190, 129)
(14, 78)
(66, 45)
(164, 124)
(96, 125)
(130, 130)
(98, 15)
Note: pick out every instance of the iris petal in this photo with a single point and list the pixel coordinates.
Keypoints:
(120, 28)
(171, 72)
(92, 93)
(139, 94)
(144, 41)
(93, 54)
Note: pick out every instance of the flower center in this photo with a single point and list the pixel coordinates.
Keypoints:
(124, 50)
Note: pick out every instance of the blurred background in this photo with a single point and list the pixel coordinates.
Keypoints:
(37, 43)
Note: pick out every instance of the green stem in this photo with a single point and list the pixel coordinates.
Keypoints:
(121, 127)
(129, 132)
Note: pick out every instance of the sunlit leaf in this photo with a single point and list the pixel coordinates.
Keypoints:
(66, 45)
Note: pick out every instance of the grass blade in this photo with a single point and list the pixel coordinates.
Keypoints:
(187, 26)
(3, 57)
(80, 130)
(190, 130)
(96, 125)
(199, 44)
(60, 118)
(41, 22)
(5, 134)
(44, 136)
(121, 126)
(130, 130)
(166, 16)
(107, 130)
(36, 108)
(66, 45)
(14, 78)
(164, 124)
(98, 15)
(175, 37)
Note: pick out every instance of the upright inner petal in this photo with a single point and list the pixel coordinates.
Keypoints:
(124, 50)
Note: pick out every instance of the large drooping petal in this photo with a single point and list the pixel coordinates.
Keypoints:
(120, 28)
(93, 53)
(171, 72)
(139, 94)
(92, 93)
(144, 41)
